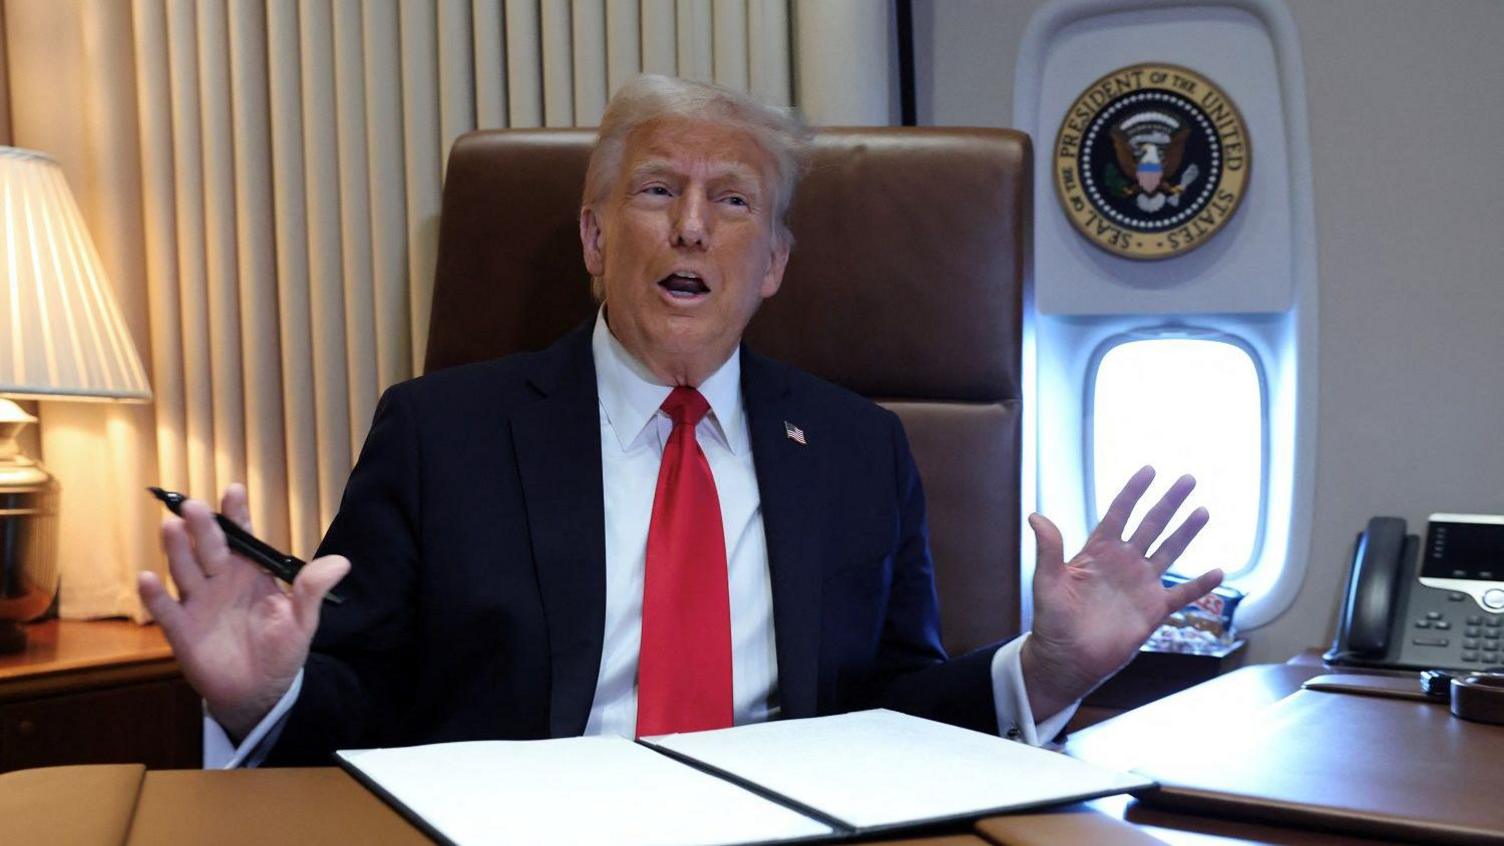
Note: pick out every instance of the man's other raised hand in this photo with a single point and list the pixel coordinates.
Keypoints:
(1093, 612)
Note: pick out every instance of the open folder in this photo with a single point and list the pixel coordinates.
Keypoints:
(780, 782)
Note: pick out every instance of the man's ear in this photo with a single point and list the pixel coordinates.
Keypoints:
(592, 241)
(778, 263)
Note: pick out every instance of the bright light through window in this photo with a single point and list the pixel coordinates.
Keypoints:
(1185, 406)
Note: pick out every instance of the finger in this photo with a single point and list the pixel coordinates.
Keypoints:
(1181, 538)
(1122, 505)
(236, 505)
(1182, 595)
(181, 560)
(208, 538)
(1154, 523)
(1049, 548)
(166, 610)
(313, 581)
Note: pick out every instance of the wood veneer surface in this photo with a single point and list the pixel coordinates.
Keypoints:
(60, 646)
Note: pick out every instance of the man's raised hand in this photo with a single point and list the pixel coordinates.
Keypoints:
(238, 636)
(1092, 613)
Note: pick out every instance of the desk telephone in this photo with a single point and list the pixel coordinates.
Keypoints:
(1449, 614)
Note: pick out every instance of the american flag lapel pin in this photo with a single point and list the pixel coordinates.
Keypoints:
(795, 433)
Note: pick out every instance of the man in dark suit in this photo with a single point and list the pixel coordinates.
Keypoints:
(624, 533)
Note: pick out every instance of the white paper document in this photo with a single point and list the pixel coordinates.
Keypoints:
(784, 781)
(875, 769)
(574, 790)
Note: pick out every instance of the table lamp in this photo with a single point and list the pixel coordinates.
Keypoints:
(61, 338)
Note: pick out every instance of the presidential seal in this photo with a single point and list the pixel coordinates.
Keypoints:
(1151, 161)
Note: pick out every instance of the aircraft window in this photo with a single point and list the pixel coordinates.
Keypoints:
(1185, 405)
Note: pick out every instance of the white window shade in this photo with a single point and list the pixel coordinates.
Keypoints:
(1184, 405)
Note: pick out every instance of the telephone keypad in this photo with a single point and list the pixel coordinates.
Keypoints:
(1423, 634)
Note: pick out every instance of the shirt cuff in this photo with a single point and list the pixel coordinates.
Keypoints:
(222, 754)
(1015, 719)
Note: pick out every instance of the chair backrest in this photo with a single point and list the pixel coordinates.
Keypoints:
(911, 251)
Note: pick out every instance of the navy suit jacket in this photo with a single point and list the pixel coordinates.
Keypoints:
(474, 523)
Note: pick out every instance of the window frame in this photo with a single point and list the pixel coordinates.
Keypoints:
(1177, 332)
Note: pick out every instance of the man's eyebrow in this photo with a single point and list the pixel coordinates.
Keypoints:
(734, 172)
(739, 174)
(651, 167)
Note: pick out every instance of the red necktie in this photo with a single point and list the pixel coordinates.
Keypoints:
(684, 668)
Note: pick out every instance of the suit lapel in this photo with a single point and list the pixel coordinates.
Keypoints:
(787, 480)
(558, 453)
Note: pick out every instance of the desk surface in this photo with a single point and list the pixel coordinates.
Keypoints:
(60, 646)
(126, 804)
(325, 805)
(66, 654)
(1196, 717)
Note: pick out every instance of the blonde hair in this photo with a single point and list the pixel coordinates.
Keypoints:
(650, 97)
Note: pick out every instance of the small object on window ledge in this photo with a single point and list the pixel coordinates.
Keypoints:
(1202, 628)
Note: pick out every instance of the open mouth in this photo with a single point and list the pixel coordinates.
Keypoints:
(683, 286)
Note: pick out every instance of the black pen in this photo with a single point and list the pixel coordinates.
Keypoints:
(279, 564)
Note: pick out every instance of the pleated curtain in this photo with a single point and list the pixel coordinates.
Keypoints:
(4, 86)
(266, 178)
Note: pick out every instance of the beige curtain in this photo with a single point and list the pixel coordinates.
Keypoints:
(4, 86)
(262, 178)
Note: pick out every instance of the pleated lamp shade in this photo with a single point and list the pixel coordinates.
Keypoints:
(61, 334)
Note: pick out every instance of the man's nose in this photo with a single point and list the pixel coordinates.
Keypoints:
(691, 227)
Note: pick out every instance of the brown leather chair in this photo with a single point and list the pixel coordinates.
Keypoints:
(912, 246)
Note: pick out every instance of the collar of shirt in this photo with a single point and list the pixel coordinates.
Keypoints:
(631, 396)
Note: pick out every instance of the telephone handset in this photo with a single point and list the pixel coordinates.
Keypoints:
(1441, 605)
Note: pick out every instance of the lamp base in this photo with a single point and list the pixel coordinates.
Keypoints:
(28, 533)
(12, 637)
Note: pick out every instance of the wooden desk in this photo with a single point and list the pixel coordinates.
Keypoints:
(1192, 719)
(123, 804)
(101, 661)
(104, 691)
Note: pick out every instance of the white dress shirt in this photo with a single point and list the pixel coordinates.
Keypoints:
(634, 431)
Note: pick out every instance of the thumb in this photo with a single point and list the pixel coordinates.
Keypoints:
(315, 580)
(164, 609)
(1049, 549)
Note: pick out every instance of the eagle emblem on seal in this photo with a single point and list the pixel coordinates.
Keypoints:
(1149, 148)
